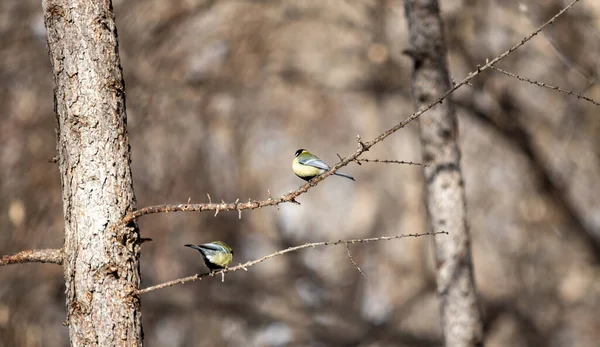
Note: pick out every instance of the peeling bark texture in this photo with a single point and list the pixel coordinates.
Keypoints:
(101, 260)
(445, 193)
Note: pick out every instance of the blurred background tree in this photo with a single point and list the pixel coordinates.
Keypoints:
(220, 94)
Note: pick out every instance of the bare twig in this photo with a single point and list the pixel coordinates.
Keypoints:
(353, 262)
(559, 53)
(544, 85)
(389, 162)
(248, 264)
(363, 147)
(52, 256)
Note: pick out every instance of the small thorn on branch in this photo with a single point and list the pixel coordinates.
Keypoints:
(271, 199)
(361, 145)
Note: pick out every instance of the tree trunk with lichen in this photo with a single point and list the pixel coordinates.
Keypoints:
(445, 193)
(101, 258)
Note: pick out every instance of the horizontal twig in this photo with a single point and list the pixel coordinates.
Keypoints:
(248, 264)
(53, 256)
(548, 86)
(389, 162)
(363, 147)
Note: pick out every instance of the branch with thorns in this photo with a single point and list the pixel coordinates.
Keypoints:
(544, 85)
(358, 161)
(248, 264)
(362, 147)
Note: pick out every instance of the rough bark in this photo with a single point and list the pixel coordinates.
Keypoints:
(445, 193)
(101, 265)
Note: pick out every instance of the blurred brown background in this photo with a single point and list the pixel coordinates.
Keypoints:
(220, 94)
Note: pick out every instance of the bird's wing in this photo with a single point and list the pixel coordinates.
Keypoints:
(212, 247)
(314, 162)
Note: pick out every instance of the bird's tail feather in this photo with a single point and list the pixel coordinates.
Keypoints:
(344, 175)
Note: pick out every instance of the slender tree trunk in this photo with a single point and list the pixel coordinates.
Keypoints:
(101, 261)
(445, 193)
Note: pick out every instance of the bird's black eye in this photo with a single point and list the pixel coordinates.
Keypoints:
(299, 151)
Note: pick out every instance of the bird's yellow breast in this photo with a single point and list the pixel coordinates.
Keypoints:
(220, 258)
(305, 170)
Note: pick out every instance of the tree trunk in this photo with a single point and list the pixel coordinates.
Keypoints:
(445, 193)
(101, 260)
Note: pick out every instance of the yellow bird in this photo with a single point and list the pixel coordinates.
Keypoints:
(217, 255)
(307, 166)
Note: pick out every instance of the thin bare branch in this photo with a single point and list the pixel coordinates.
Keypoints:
(363, 147)
(353, 262)
(559, 53)
(389, 162)
(248, 264)
(52, 256)
(544, 85)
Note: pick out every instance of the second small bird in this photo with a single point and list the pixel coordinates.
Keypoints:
(307, 166)
(217, 255)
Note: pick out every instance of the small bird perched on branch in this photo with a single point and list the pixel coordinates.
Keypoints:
(307, 166)
(217, 254)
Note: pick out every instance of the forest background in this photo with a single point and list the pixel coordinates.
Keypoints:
(220, 94)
